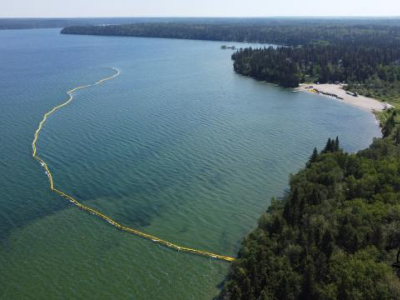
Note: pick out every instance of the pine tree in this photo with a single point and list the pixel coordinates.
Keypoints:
(328, 147)
(337, 146)
(314, 156)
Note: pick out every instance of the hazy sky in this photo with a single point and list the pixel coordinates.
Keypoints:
(212, 8)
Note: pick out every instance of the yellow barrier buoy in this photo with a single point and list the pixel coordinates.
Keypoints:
(93, 211)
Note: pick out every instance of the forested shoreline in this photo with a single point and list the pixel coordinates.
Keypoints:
(289, 32)
(370, 70)
(334, 236)
(42, 23)
(365, 54)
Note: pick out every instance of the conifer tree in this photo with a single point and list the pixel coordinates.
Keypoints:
(314, 155)
(328, 147)
(337, 146)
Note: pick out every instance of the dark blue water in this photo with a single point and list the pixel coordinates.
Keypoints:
(178, 146)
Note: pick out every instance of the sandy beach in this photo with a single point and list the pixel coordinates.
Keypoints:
(337, 91)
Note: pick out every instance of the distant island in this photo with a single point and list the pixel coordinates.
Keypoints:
(225, 47)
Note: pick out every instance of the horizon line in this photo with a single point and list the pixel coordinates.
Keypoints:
(211, 17)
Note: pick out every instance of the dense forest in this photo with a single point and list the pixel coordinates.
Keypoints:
(335, 235)
(289, 32)
(373, 67)
(32, 23)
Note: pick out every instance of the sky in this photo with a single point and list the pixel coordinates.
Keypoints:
(198, 8)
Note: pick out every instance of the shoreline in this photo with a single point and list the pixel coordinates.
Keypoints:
(337, 92)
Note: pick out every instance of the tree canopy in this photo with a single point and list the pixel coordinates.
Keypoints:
(334, 236)
(372, 67)
(282, 31)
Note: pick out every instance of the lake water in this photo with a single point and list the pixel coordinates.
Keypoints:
(178, 146)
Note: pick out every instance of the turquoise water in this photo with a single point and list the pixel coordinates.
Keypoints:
(177, 146)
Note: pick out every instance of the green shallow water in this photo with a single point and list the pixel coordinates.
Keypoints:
(177, 146)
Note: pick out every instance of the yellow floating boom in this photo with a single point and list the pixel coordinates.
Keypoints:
(93, 211)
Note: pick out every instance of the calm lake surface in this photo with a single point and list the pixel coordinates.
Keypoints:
(177, 146)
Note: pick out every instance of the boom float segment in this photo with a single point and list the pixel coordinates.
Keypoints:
(93, 211)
